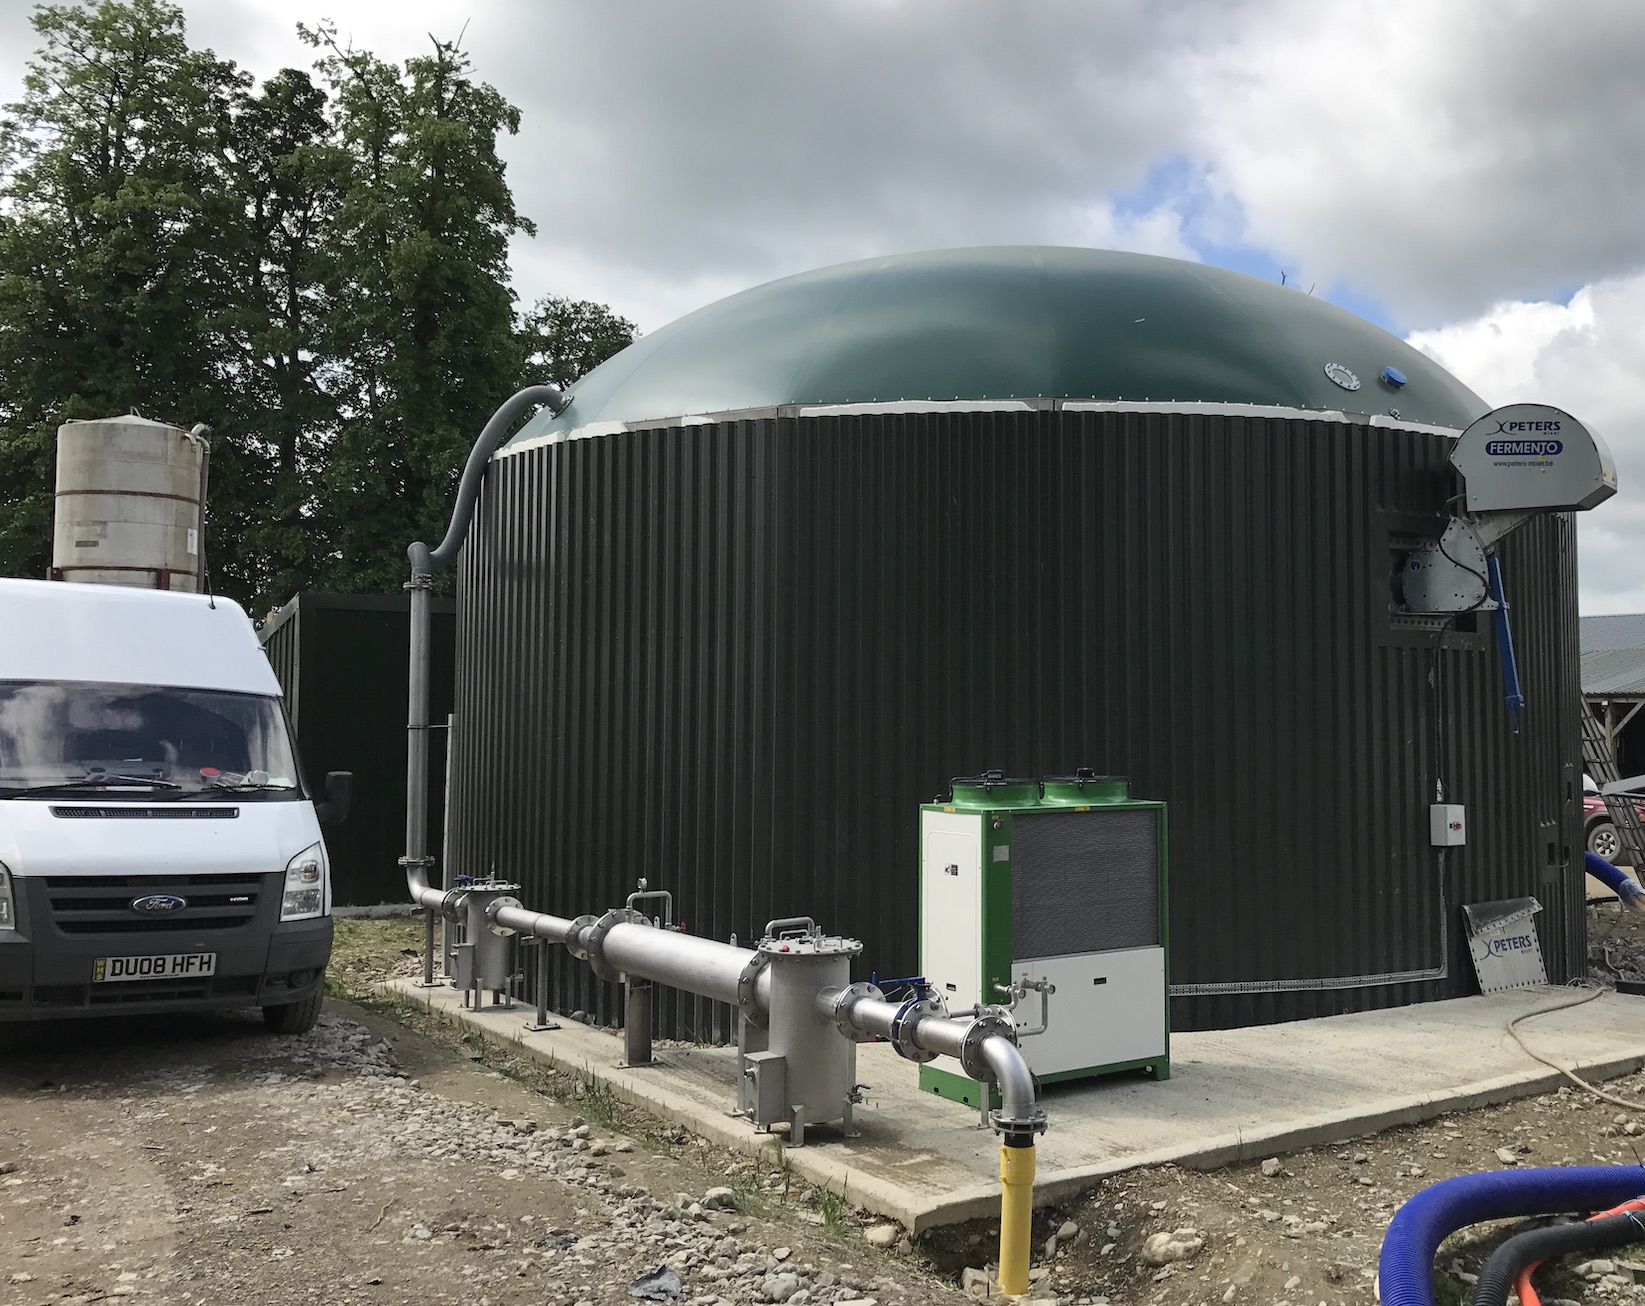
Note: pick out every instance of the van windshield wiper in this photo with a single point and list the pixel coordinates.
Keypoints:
(100, 782)
(241, 787)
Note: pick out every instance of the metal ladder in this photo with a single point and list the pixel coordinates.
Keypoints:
(1598, 762)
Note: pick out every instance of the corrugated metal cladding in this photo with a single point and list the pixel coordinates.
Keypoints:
(339, 660)
(733, 658)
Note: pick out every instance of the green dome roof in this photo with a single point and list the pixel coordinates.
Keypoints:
(1013, 322)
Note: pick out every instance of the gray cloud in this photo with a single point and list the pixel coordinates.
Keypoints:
(1435, 158)
(1441, 157)
(743, 140)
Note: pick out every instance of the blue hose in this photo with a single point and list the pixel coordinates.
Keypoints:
(1610, 876)
(1405, 1271)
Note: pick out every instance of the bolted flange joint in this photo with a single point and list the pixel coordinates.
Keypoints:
(847, 998)
(1018, 1131)
(918, 1007)
(988, 1025)
(596, 939)
(746, 982)
(580, 926)
(496, 905)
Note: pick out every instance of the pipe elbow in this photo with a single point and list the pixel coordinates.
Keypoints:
(417, 885)
(1019, 1117)
(426, 561)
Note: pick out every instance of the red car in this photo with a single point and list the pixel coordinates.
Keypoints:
(1597, 827)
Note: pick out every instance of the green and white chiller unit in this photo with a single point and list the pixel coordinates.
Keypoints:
(1059, 883)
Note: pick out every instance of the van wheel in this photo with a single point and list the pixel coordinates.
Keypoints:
(294, 1017)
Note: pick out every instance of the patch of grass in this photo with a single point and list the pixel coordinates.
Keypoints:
(836, 1214)
(597, 1099)
(784, 1165)
(366, 952)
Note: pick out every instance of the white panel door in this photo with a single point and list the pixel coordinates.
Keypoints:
(1109, 1007)
(951, 905)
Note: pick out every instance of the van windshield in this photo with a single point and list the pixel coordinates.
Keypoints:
(75, 735)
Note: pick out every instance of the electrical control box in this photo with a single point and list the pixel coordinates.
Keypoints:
(1447, 825)
(1060, 883)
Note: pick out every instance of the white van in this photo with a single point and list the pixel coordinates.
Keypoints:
(158, 848)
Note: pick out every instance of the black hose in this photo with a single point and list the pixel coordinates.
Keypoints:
(1501, 1269)
(425, 562)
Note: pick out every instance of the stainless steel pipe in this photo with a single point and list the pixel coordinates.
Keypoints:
(984, 1045)
(553, 929)
(683, 961)
(943, 1035)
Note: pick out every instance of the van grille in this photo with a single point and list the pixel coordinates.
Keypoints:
(101, 904)
(135, 813)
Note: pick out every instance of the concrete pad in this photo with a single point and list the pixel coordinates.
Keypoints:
(1235, 1095)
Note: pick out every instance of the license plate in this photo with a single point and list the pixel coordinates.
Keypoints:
(171, 965)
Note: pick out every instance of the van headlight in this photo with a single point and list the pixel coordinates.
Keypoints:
(308, 885)
(8, 903)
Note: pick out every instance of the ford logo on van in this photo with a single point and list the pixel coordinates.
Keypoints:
(158, 904)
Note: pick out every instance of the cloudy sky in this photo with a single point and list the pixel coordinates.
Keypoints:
(1470, 175)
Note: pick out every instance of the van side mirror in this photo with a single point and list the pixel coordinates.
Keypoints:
(339, 797)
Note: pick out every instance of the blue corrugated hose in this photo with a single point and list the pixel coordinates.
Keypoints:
(1610, 876)
(1405, 1271)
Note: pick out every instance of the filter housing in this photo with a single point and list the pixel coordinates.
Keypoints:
(1063, 883)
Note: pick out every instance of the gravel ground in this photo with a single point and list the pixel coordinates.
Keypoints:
(202, 1160)
(385, 1157)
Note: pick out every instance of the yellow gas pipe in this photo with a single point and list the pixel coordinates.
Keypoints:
(1016, 1215)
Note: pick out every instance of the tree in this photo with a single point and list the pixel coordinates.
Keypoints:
(111, 214)
(423, 326)
(289, 178)
(566, 339)
(320, 277)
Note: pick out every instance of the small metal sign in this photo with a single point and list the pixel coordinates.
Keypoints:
(1506, 951)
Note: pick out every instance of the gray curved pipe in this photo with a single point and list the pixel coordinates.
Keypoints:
(1019, 1114)
(426, 561)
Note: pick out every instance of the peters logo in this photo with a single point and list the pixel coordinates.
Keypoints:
(1525, 440)
(1519, 943)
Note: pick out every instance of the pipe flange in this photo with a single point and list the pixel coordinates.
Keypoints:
(906, 1021)
(984, 1027)
(596, 939)
(574, 936)
(1019, 1128)
(451, 906)
(849, 997)
(496, 905)
(746, 982)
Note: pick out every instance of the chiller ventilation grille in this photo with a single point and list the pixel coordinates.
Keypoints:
(1084, 882)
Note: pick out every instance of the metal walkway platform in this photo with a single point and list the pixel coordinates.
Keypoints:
(1234, 1095)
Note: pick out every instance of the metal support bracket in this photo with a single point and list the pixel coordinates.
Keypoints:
(541, 1021)
(637, 1020)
